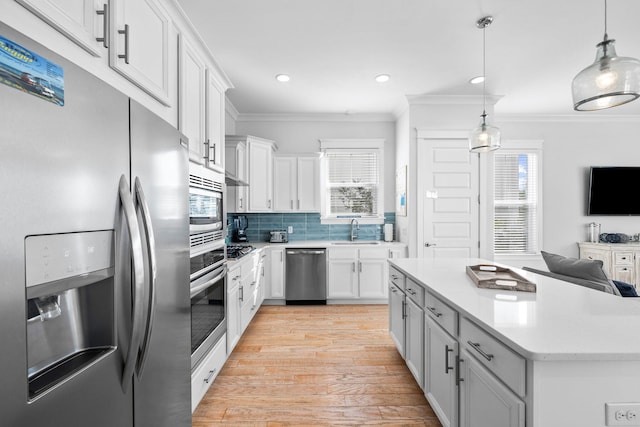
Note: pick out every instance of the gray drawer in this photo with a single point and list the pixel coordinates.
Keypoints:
(396, 277)
(507, 365)
(441, 313)
(415, 292)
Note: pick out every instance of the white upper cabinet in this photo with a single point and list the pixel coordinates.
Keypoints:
(214, 144)
(260, 174)
(296, 183)
(192, 99)
(139, 45)
(77, 19)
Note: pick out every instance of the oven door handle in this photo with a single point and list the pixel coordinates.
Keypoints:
(195, 290)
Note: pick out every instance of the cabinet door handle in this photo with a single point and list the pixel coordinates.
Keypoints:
(434, 311)
(105, 25)
(126, 43)
(211, 374)
(459, 379)
(281, 255)
(269, 203)
(360, 266)
(240, 202)
(353, 267)
(476, 347)
(291, 204)
(207, 151)
(241, 293)
(404, 310)
(447, 350)
(411, 291)
(298, 204)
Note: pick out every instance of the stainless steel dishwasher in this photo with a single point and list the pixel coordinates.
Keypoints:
(306, 276)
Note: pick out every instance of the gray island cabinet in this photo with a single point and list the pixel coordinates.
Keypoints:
(562, 356)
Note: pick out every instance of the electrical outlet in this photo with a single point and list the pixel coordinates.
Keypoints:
(290, 229)
(622, 414)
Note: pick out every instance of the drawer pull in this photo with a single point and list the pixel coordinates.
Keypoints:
(447, 350)
(211, 374)
(411, 291)
(476, 347)
(434, 311)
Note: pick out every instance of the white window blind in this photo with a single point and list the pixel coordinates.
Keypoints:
(352, 184)
(515, 203)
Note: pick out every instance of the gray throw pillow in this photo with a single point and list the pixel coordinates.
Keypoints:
(581, 268)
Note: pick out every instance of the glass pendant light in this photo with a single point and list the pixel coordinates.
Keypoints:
(485, 137)
(610, 81)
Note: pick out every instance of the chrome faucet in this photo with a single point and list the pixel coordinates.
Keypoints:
(354, 233)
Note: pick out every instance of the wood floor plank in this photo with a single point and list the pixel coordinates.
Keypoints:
(316, 366)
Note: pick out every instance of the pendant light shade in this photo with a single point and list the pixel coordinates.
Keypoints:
(485, 137)
(610, 81)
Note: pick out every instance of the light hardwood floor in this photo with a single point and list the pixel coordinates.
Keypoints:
(316, 366)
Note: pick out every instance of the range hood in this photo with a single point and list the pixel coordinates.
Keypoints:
(233, 181)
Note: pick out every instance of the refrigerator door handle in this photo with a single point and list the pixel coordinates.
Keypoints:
(141, 202)
(138, 281)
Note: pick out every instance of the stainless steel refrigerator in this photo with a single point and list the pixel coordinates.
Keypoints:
(94, 289)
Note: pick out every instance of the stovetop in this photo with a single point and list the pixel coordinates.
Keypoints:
(238, 251)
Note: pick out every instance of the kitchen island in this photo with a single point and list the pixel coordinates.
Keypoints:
(488, 357)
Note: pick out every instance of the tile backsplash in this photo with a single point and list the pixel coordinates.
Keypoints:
(306, 226)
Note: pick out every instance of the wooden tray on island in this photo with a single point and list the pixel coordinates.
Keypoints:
(494, 277)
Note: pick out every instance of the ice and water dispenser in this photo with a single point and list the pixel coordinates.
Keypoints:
(70, 305)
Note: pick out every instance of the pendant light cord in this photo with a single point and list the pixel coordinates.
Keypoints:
(605, 19)
(484, 73)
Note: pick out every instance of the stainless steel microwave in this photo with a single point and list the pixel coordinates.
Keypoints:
(206, 211)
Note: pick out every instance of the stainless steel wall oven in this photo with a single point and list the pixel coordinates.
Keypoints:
(208, 261)
(208, 299)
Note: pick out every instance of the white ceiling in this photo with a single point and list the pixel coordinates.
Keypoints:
(333, 49)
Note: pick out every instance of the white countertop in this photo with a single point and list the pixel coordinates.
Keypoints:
(561, 321)
(328, 244)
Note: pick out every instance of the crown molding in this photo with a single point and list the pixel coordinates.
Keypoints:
(231, 109)
(565, 118)
(453, 99)
(317, 117)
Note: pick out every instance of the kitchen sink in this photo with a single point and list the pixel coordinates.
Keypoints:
(366, 242)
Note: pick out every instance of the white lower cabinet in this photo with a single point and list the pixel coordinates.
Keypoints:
(357, 273)
(233, 308)
(484, 400)
(396, 316)
(245, 294)
(274, 283)
(441, 390)
(414, 341)
(207, 371)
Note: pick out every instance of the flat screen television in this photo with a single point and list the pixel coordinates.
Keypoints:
(612, 191)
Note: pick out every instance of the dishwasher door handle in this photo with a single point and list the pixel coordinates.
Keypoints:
(306, 252)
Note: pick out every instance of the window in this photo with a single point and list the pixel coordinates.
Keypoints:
(352, 181)
(516, 202)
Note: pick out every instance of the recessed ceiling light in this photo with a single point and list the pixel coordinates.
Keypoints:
(283, 78)
(476, 80)
(381, 78)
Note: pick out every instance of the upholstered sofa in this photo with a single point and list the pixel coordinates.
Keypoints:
(583, 272)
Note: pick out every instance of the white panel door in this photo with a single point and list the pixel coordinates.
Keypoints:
(450, 192)
(284, 184)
